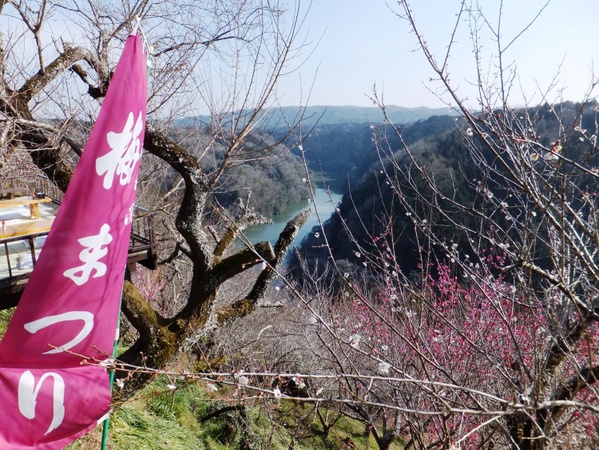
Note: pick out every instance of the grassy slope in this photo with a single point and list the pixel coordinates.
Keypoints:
(166, 419)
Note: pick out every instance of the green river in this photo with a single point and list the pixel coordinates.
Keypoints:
(324, 202)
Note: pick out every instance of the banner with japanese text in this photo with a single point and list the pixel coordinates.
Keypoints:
(52, 390)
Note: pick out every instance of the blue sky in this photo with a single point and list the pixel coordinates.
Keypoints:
(363, 43)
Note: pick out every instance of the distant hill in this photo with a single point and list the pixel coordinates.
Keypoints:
(324, 115)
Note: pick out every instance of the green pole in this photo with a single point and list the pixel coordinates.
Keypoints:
(106, 422)
(111, 377)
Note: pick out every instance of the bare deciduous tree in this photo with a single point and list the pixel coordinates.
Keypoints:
(56, 60)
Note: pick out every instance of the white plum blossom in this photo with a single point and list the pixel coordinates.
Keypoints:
(525, 399)
(108, 363)
(383, 368)
(354, 340)
(299, 382)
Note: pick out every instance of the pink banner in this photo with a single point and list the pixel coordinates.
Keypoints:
(69, 310)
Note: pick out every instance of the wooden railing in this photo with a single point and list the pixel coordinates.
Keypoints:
(19, 252)
(142, 245)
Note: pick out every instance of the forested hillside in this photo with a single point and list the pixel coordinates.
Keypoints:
(348, 149)
(267, 180)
